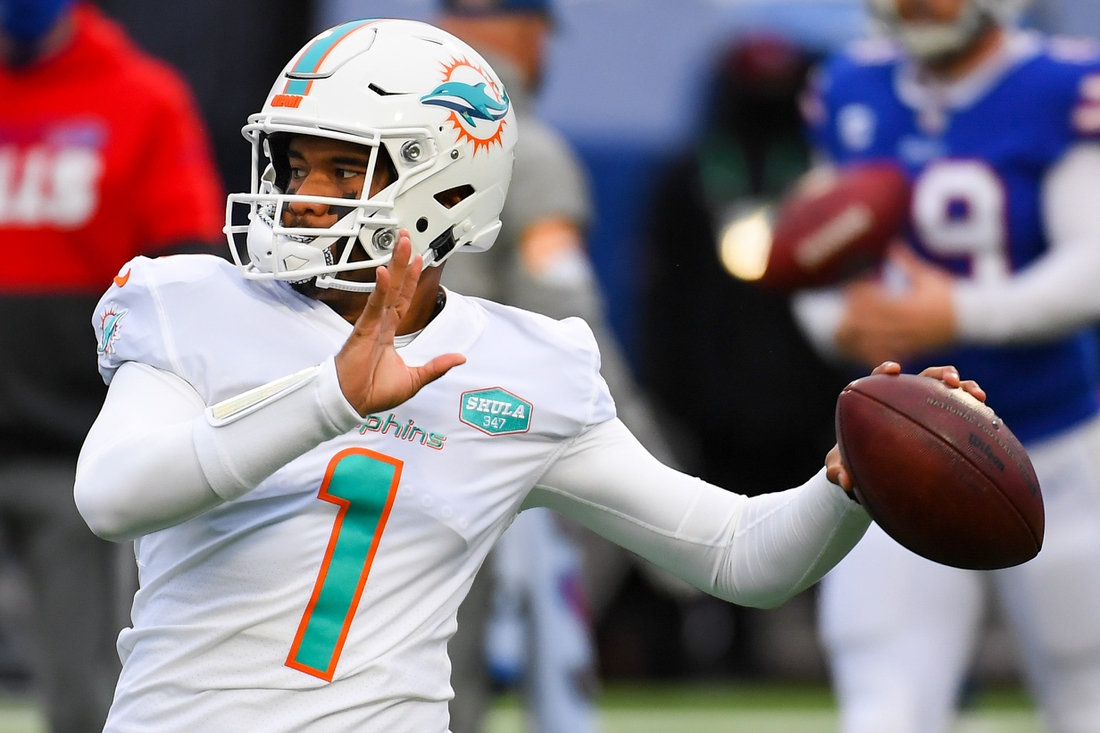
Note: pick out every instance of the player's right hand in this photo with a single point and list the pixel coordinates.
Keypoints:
(373, 376)
(838, 473)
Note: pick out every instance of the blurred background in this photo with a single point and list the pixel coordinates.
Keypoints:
(663, 102)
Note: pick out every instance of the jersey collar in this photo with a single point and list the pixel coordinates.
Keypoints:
(455, 329)
(918, 91)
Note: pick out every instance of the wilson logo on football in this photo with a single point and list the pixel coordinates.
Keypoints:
(478, 105)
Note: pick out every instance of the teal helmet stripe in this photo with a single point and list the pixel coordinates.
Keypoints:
(311, 58)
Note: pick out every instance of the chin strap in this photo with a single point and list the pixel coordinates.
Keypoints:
(440, 247)
(331, 282)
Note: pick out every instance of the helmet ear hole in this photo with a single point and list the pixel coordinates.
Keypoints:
(452, 197)
(422, 225)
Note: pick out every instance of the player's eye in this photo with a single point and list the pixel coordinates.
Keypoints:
(297, 173)
(347, 173)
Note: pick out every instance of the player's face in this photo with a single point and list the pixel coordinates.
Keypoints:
(929, 11)
(335, 169)
(332, 168)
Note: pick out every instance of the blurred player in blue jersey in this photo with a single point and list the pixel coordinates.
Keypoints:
(998, 130)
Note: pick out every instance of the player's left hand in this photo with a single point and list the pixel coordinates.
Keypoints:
(837, 472)
(880, 324)
(373, 376)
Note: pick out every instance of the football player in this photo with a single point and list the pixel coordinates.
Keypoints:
(998, 131)
(315, 449)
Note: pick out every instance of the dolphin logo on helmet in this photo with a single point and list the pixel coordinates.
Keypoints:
(469, 101)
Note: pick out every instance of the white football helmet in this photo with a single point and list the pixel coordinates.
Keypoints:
(932, 40)
(425, 104)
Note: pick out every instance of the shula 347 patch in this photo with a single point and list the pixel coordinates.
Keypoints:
(495, 411)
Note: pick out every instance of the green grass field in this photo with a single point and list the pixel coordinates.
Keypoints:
(692, 709)
(755, 709)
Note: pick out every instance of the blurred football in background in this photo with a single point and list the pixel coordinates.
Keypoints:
(940, 472)
(834, 224)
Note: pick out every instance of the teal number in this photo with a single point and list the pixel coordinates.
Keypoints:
(363, 484)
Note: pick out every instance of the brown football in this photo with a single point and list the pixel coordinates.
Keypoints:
(940, 472)
(836, 223)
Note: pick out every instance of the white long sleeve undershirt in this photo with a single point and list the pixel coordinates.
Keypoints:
(755, 551)
(1057, 294)
(153, 460)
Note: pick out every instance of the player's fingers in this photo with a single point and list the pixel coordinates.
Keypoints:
(835, 470)
(949, 375)
(371, 316)
(382, 324)
(435, 369)
(973, 389)
(398, 267)
(406, 272)
(403, 279)
(843, 479)
(887, 367)
(408, 286)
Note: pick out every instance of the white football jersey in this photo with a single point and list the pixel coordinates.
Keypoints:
(341, 574)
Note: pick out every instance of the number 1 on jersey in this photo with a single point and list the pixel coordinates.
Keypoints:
(363, 484)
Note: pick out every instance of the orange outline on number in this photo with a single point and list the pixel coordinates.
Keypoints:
(322, 574)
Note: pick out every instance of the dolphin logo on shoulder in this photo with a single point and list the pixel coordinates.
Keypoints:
(470, 101)
(109, 323)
